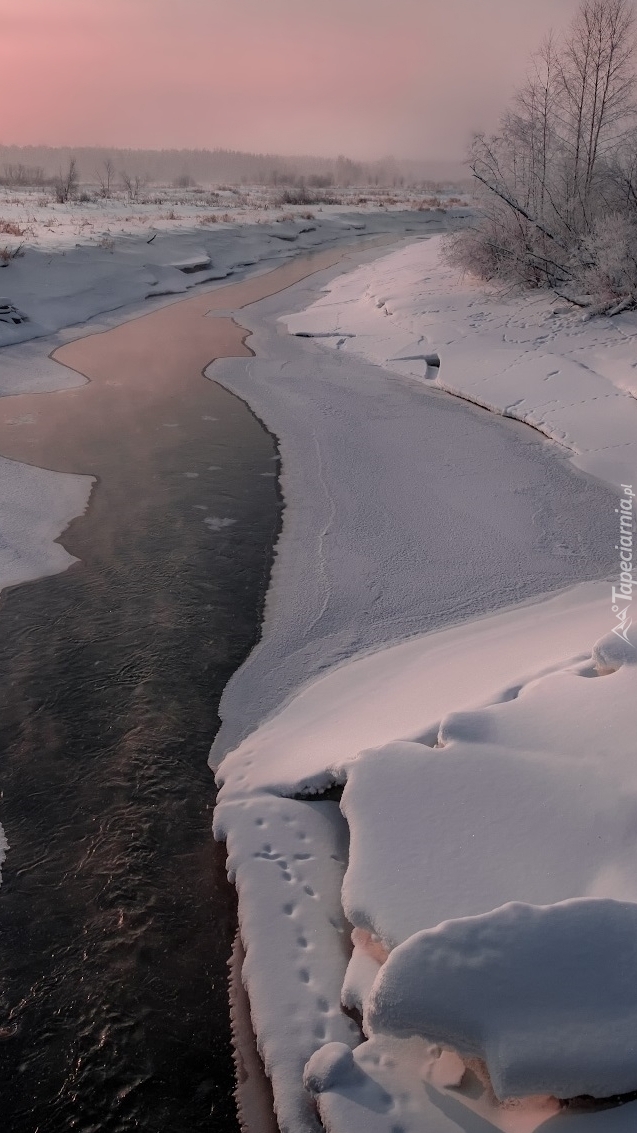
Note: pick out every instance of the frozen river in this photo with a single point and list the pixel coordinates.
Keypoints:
(116, 919)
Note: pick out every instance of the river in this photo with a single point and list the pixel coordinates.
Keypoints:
(116, 919)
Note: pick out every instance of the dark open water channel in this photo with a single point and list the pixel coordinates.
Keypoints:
(116, 919)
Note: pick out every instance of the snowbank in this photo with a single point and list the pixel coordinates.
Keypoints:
(533, 795)
(404, 691)
(528, 357)
(287, 859)
(409, 1085)
(530, 797)
(544, 995)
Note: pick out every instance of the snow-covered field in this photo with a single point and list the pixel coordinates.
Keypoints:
(32, 216)
(489, 791)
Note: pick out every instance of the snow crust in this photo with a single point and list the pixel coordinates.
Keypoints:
(545, 812)
(526, 357)
(543, 994)
(404, 691)
(253, 1092)
(411, 1086)
(499, 789)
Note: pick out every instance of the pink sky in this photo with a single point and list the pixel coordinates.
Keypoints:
(362, 77)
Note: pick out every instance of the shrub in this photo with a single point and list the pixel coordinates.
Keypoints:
(8, 254)
(303, 196)
(10, 228)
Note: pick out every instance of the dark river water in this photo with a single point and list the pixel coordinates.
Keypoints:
(116, 919)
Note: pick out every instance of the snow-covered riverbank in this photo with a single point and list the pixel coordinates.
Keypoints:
(476, 759)
(527, 355)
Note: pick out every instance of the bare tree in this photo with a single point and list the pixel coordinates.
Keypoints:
(66, 182)
(106, 177)
(21, 175)
(564, 159)
(597, 91)
(133, 184)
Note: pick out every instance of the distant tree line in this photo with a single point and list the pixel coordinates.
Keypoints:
(34, 165)
(557, 184)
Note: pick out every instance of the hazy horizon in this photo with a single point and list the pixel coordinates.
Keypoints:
(414, 78)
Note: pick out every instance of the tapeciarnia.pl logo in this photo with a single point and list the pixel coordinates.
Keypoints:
(622, 594)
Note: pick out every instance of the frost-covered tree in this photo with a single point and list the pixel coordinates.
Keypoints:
(557, 185)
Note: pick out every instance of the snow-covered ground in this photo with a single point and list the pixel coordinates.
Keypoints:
(527, 356)
(32, 216)
(46, 289)
(486, 766)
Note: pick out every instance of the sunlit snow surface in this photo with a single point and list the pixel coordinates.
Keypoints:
(485, 766)
(532, 798)
(527, 356)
